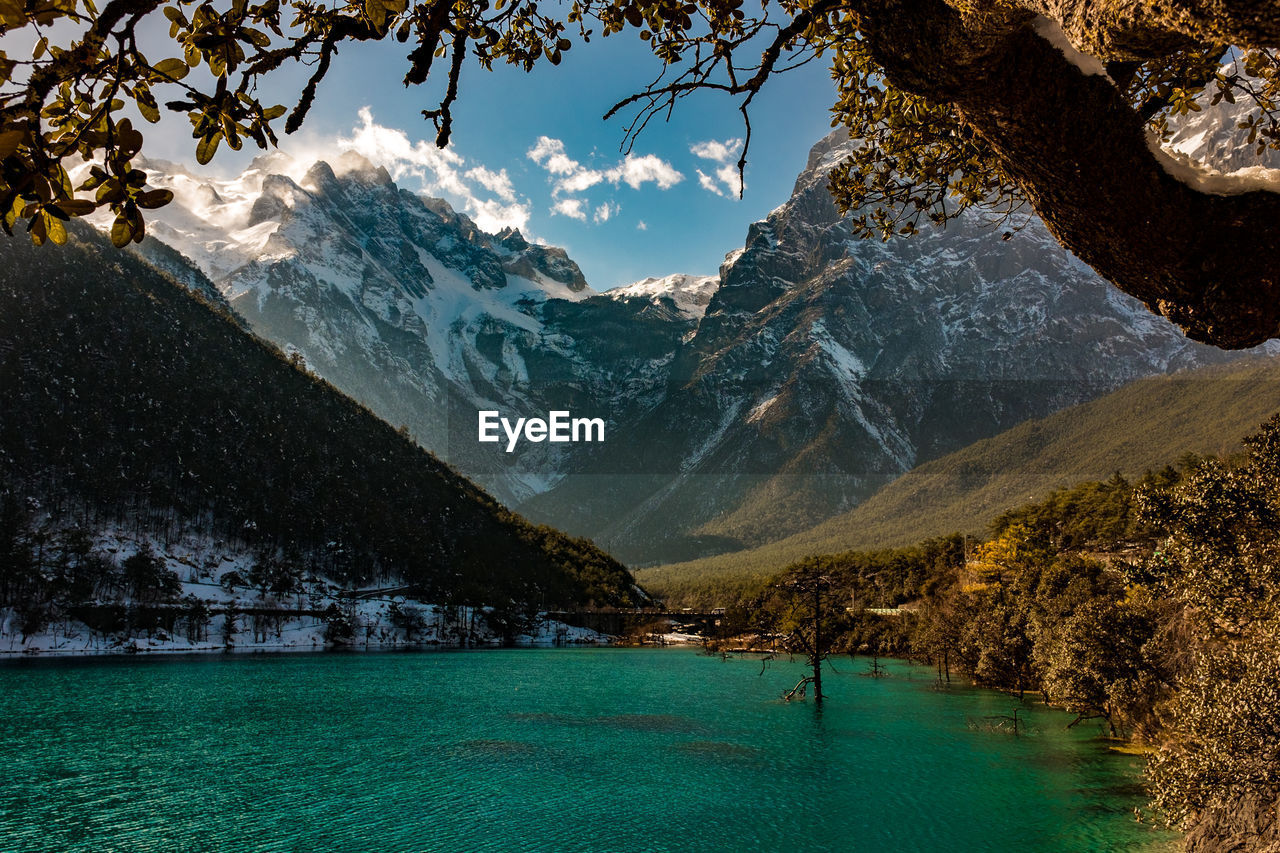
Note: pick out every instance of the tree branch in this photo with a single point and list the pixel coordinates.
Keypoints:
(1080, 155)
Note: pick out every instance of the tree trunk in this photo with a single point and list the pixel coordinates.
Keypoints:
(816, 658)
(1080, 155)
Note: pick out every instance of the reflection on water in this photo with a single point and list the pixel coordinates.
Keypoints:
(564, 750)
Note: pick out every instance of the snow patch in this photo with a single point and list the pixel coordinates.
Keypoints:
(690, 293)
(1208, 180)
(1051, 31)
(844, 363)
(758, 411)
(214, 573)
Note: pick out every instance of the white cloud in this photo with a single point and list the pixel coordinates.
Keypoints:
(549, 154)
(570, 207)
(640, 226)
(573, 177)
(721, 152)
(708, 183)
(436, 168)
(583, 179)
(637, 171)
(729, 177)
(498, 183)
(725, 183)
(492, 216)
(439, 172)
(605, 211)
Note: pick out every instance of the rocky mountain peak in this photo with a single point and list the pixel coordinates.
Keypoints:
(320, 178)
(687, 294)
(355, 166)
(512, 239)
(278, 196)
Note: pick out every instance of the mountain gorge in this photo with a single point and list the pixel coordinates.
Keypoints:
(740, 408)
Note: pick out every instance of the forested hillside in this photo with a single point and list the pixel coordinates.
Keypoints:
(1142, 426)
(127, 400)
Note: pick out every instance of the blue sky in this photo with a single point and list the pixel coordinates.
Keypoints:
(533, 150)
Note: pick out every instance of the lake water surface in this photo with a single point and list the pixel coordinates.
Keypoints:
(558, 750)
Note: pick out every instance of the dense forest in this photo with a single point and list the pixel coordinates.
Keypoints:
(1152, 607)
(128, 401)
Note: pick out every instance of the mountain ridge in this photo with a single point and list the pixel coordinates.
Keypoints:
(825, 366)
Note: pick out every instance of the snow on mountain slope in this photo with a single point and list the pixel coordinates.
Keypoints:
(1211, 136)
(690, 294)
(407, 306)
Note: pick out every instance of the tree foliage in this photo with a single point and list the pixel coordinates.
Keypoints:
(1220, 561)
(804, 612)
(1150, 606)
(909, 77)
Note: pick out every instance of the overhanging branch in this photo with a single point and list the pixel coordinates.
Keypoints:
(1080, 155)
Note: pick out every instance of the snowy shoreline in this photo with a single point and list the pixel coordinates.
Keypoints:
(160, 648)
(76, 640)
(219, 601)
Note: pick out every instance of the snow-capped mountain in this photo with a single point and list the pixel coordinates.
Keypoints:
(740, 407)
(688, 294)
(826, 365)
(410, 308)
(1209, 136)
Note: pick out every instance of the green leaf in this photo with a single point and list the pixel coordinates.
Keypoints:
(376, 13)
(13, 13)
(36, 230)
(174, 69)
(77, 206)
(13, 206)
(154, 198)
(56, 230)
(130, 140)
(207, 147)
(259, 38)
(147, 106)
(121, 233)
(9, 142)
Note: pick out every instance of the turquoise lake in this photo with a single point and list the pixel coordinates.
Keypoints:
(539, 750)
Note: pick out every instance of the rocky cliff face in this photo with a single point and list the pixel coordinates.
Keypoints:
(825, 366)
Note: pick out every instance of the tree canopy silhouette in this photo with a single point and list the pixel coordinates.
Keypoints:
(990, 104)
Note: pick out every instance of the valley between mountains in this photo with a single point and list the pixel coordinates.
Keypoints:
(742, 408)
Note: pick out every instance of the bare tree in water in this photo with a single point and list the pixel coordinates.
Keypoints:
(806, 617)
